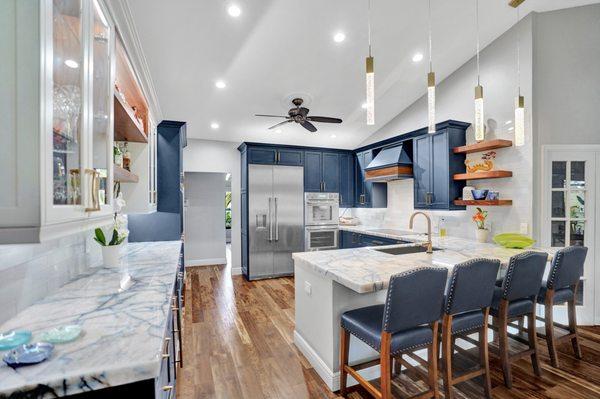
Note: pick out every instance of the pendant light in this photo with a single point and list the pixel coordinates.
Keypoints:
(430, 85)
(370, 76)
(479, 117)
(520, 100)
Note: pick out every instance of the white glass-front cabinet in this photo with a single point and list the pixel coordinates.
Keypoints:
(56, 156)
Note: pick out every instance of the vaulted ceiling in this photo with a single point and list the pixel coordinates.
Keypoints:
(278, 49)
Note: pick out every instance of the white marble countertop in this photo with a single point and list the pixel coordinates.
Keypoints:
(366, 269)
(123, 330)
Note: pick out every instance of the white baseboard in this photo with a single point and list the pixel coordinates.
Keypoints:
(331, 379)
(236, 271)
(205, 262)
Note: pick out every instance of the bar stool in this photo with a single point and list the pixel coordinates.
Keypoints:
(515, 299)
(561, 287)
(466, 310)
(408, 321)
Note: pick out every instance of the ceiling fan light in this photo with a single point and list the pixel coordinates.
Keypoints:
(370, 81)
(519, 121)
(431, 102)
(479, 117)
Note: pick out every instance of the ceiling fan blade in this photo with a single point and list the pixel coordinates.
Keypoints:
(325, 119)
(309, 126)
(304, 111)
(271, 116)
(280, 123)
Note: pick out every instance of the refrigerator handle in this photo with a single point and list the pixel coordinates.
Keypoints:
(276, 221)
(270, 222)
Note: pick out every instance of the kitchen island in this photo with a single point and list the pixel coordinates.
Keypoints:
(126, 317)
(329, 283)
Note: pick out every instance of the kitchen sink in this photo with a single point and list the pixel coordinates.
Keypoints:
(405, 250)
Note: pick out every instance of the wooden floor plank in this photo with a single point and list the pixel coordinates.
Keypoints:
(238, 343)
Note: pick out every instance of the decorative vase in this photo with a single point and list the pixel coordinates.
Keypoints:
(111, 255)
(482, 235)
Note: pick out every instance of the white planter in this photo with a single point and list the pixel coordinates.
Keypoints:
(111, 255)
(482, 235)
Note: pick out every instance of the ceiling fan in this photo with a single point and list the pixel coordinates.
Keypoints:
(300, 115)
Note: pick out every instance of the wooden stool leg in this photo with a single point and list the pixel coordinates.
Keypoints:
(549, 319)
(432, 358)
(503, 335)
(447, 350)
(495, 330)
(533, 342)
(385, 364)
(521, 324)
(344, 349)
(572, 309)
(397, 365)
(484, 356)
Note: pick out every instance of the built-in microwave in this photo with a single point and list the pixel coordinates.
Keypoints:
(321, 209)
(318, 238)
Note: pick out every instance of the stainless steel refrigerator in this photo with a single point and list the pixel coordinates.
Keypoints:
(276, 219)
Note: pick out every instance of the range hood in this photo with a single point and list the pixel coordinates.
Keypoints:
(392, 163)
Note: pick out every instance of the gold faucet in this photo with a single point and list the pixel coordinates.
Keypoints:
(410, 226)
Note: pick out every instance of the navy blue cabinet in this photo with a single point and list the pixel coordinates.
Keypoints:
(346, 180)
(321, 171)
(349, 239)
(275, 156)
(367, 194)
(434, 165)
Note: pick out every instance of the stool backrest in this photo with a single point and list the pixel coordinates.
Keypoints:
(471, 286)
(524, 275)
(567, 267)
(414, 298)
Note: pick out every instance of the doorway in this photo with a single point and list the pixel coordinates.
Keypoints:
(570, 187)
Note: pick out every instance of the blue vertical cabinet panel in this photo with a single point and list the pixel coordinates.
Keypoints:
(346, 180)
(331, 172)
(422, 171)
(313, 166)
(359, 174)
(367, 193)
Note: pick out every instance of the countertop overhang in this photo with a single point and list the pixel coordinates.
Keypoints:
(123, 329)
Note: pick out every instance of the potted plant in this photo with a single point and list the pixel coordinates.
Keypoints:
(118, 233)
(479, 219)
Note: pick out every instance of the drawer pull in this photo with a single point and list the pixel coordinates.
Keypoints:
(166, 356)
(167, 388)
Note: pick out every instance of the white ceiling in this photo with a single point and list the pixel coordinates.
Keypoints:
(277, 48)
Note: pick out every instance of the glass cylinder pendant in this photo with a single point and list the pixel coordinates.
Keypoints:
(479, 124)
(519, 121)
(370, 92)
(431, 102)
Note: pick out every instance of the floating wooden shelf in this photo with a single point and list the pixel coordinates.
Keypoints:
(127, 127)
(493, 174)
(483, 202)
(482, 146)
(123, 175)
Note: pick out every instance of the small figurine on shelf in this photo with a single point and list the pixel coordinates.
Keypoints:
(118, 155)
(126, 157)
(485, 166)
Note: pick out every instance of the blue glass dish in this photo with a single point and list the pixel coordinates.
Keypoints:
(479, 194)
(28, 354)
(62, 334)
(12, 339)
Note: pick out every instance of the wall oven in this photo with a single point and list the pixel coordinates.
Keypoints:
(321, 209)
(318, 238)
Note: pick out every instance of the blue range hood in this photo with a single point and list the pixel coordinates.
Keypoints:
(392, 163)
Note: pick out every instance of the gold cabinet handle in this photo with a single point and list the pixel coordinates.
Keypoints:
(95, 190)
(167, 388)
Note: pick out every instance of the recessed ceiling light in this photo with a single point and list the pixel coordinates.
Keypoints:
(234, 11)
(511, 128)
(508, 122)
(417, 57)
(278, 131)
(214, 125)
(333, 136)
(364, 106)
(72, 64)
(219, 84)
(339, 37)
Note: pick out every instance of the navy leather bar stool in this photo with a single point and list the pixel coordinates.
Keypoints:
(561, 287)
(466, 310)
(515, 299)
(408, 321)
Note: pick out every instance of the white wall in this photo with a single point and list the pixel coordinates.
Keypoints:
(223, 157)
(454, 100)
(204, 218)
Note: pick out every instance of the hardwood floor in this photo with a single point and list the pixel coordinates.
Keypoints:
(238, 343)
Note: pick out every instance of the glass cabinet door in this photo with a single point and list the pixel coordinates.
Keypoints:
(67, 88)
(102, 101)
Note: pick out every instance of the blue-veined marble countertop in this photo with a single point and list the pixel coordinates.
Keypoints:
(123, 329)
(366, 270)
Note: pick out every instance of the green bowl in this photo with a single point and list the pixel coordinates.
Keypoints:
(513, 240)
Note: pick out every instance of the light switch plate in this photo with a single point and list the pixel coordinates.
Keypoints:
(524, 229)
(307, 288)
